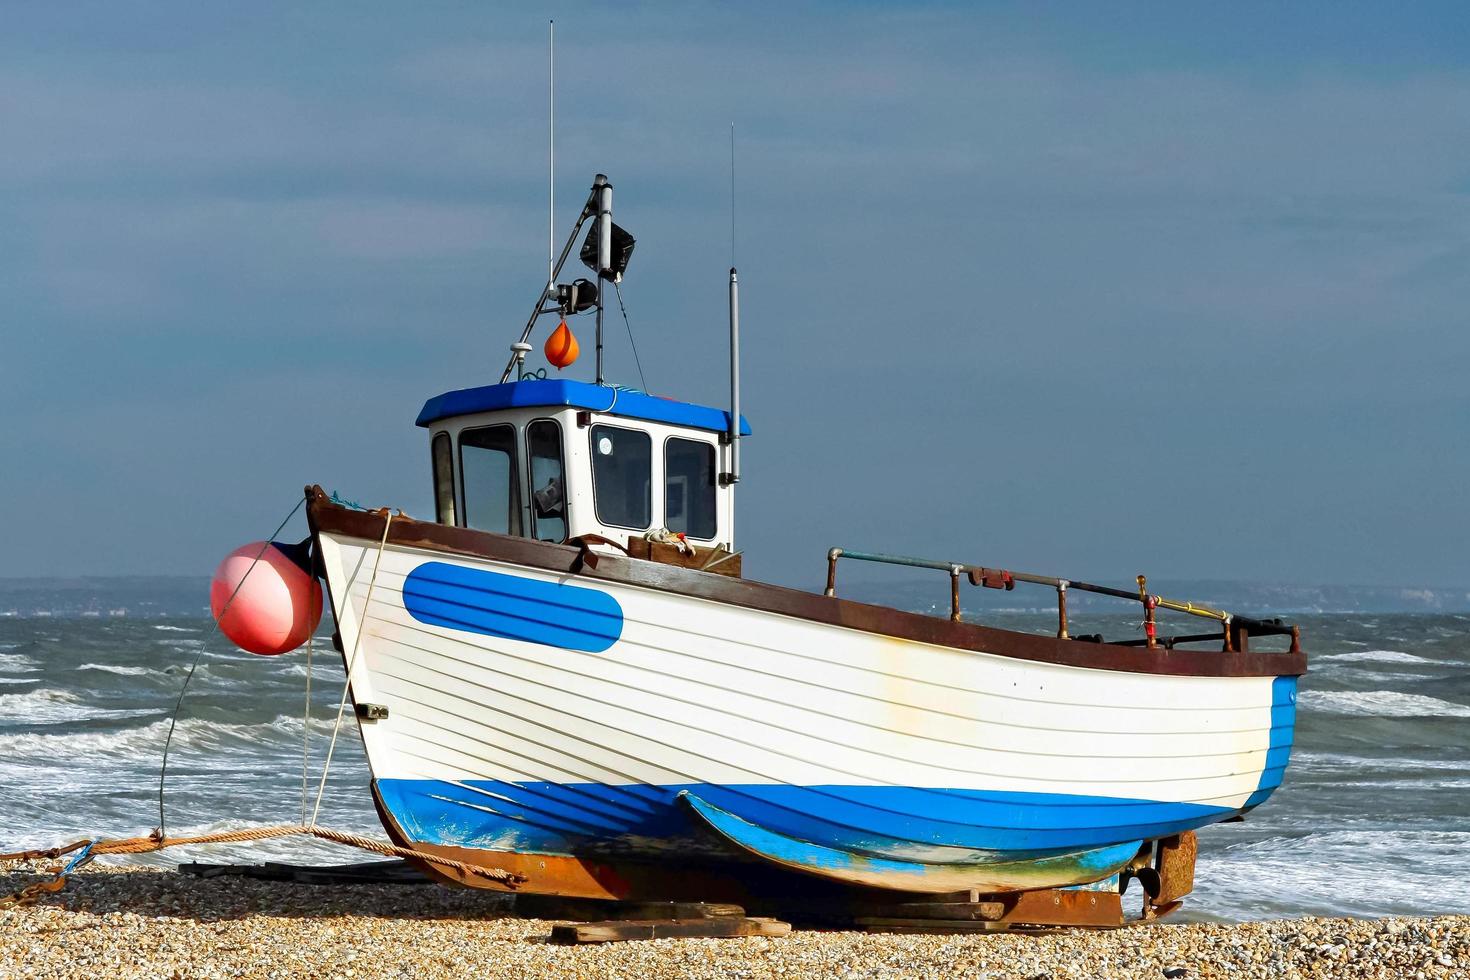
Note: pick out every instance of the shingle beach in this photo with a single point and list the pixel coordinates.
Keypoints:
(137, 922)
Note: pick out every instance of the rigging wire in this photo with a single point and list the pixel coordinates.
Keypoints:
(178, 704)
(551, 156)
(636, 359)
(306, 727)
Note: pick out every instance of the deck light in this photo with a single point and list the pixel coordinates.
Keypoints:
(576, 297)
(621, 251)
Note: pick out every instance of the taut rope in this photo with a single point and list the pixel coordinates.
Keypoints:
(173, 719)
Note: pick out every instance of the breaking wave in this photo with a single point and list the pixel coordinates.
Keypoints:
(122, 669)
(16, 663)
(1331, 762)
(1384, 704)
(49, 706)
(191, 732)
(331, 668)
(1374, 656)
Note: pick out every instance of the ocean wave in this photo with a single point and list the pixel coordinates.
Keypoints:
(1388, 678)
(175, 629)
(190, 732)
(1374, 656)
(49, 706)
(319, 670)
(1326, 762)
(122, 669)
(18, 663)
(1371, 872)
(1383, 704)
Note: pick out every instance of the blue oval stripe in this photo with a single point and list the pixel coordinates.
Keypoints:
(494, 604)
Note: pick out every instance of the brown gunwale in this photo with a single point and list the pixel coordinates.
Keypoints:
(325, 516)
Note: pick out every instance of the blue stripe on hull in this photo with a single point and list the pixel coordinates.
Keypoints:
(1283, 733)
(903, 823)
(493, 604)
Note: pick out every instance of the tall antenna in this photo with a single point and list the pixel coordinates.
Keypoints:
(732, 477)
(732, 193)
(551, 158)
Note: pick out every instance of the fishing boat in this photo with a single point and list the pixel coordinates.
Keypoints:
(565, 675)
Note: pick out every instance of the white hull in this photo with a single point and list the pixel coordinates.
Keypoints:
(699, 693)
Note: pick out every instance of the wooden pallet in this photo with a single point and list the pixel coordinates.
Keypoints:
(994, 913)
(622, 930)
(613, 922)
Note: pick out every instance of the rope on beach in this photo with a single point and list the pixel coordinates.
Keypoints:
(143, 845)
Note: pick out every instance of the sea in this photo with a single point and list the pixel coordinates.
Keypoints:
(1373, 818)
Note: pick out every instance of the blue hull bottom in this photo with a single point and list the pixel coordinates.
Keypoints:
(995, 875)
(887, 829)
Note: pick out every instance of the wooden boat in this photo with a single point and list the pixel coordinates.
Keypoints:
(565, 675)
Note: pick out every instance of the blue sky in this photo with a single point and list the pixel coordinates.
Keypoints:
(1086, 290)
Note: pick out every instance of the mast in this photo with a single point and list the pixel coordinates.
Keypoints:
(551, 160)
(733, 477)
(603, 190)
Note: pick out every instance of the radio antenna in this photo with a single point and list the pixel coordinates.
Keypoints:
(732, 476)
(551, 157)
(732, 193)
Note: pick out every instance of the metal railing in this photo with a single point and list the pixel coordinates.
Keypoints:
(1235, 630)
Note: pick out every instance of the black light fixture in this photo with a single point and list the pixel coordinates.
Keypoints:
(576, 296)
(622, 251)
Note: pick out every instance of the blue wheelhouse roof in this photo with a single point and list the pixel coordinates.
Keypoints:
(551, 393)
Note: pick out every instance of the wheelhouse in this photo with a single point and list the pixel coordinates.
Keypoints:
(553, 460)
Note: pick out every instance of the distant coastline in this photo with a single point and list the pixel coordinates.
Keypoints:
(140, 596)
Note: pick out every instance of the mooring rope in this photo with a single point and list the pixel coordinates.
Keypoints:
(154, 842)
(178, 704)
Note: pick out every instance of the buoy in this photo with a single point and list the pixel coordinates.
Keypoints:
(561, 347)
(277, 607)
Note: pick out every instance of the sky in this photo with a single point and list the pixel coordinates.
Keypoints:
(1083, 290)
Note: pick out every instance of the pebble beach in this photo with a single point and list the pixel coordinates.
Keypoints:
(115, 921)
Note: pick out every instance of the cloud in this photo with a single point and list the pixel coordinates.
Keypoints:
(1011, 256)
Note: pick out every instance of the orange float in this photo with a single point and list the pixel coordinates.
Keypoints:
(561, 347)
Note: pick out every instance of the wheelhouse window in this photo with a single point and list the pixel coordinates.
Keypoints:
(689, 487)
(548, 481)
(443, 479)
(622, 476)
(487, 464)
